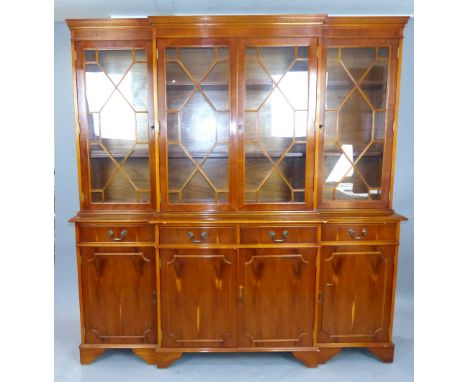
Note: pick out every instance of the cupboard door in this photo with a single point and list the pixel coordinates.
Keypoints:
(358, 115)
(276, 116)
(115, 100)
(356, 294)
(276, 297)
(199, 298)
(119, 295)
(196, 91)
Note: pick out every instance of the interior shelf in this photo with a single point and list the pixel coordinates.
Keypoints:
(362, 84)
(117, 155)
(367, 154)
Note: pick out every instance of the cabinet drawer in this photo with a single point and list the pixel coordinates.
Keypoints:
(116, 233)
(197, 235)
(358, 232)
(278, 235)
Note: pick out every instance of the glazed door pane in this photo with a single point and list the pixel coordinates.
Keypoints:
(275, 120)
(117, 103)
(357, 117)
(196, 120)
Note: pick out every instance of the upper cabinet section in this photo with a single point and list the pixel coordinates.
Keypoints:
(236, 113)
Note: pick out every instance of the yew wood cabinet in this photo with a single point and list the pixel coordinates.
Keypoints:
(236, 177)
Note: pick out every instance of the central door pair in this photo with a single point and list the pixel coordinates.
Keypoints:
(262, 298)
(237, 120)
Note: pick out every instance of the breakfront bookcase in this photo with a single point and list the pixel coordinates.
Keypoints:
(236, 179)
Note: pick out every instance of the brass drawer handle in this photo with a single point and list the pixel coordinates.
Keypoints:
(282, 240)
(123, 233)
(203, 236)
(352, 233)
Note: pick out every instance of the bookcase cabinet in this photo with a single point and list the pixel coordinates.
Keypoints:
(236, 178)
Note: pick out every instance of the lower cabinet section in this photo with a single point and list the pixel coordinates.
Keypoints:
(307, 298)
(356, 290)
(118, 295)
(276, 297)
(198, 298)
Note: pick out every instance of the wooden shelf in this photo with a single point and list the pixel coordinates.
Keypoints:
(276, 155)
(103, 155)
(363, 84)
(220, 85)
(199, 156)
(273, 156)
(367, 154)
(192, 85)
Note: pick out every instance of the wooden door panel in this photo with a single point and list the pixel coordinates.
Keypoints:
(119, 295)
(276, 297)
(356, 288)
(199, 298)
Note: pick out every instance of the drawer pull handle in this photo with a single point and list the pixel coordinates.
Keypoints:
(282, 240)
(352, 233)
(123, 233)
(203, 236)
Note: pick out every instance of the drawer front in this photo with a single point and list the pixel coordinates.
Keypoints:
(116, 233)
(197, 235)
(359, 232)
(278, 235)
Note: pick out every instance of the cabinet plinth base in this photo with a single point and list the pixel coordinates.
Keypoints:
(146, 354)
(165, 359)
(89, 355)
(385, 354)
(325, 354)
(309, 358)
